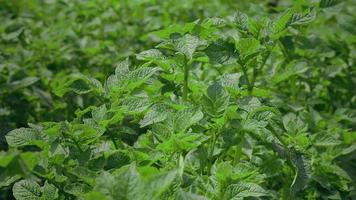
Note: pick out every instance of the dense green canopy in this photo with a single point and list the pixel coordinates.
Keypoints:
(177, 100)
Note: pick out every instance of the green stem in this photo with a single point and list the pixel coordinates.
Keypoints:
(256, 70)
(274, 132)
(185, 84)
(249, 86)
(211, 152)
(294, 87)
(114, 142)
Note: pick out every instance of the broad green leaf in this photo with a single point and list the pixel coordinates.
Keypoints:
(159, 184)
(247, 47)
(293, 124)
(174, 28)
(241, 21)
(249, 104)
(185, 118)
(291, 70)
(77, 188)
(150, 55)
(30, 159)
(220, 52)
(26, 190)
(77, 83)
(136, 104)
(303, 172)
(157, 113)
(302, 18)
(94, 195)
(328, 3)
(282, 22)
(231, 80)
(23, 83)
(125, 184)
(142, 74)
(99, 113)
(122, 69)
(182, 195)
(85, 134)
(216, 100)
(181, 142)
(49, 192)
(22, 137)
(188, 44)
(242, 190)
(6, 158)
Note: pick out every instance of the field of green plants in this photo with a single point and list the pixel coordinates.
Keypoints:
(177, 100)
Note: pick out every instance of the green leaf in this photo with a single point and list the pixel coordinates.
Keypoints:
(188, 44)
(77, 83)
(216, 100)
(247, 47)
(151, 54)
(185, 118)
(141, 74)
(157, 113)
(30, 159)
(94, 195)
(99, 113)
(6, 158)
(294, 124)
(292, 69)
(241, 20)
(220, 52)
(49, 192)
(23, 83)
(159, 184)
(303, 172)
(242, 190)
(122, 69)
(22, 137)
(282, 22)
(328, 3)
(302, 18)
(174, 28)
(26, 190)
(125, 184)
(136, 104)
(181, 142)
(182, 195)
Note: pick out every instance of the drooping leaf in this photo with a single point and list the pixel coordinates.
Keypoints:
(23, 83)
(303, 172)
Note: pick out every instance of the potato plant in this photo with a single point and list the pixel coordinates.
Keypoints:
(136, 100)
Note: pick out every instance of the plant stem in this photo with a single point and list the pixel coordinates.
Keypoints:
(185, 84)
(247, 79)
(211, 152)
(256, 70)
